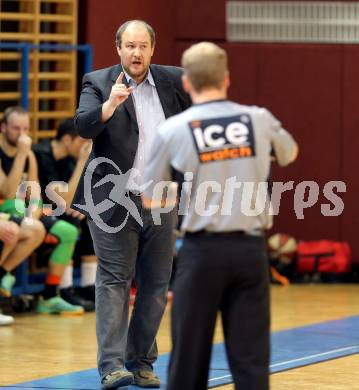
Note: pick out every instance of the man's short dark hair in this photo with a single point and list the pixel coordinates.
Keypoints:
(124, 26)
(10, 110)
(66, 127)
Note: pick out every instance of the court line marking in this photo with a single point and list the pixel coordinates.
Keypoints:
(355, 348)
(333, 354)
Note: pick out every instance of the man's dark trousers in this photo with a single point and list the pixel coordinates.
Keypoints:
(226, 272)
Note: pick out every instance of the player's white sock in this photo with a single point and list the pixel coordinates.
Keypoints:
(67, 279)
(88, 273)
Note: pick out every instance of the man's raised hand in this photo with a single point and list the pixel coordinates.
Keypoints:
(119, 93)
(24, 144)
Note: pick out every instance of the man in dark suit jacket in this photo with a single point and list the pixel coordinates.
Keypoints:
(120, 108)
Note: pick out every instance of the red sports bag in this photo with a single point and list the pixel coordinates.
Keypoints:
(323, 256)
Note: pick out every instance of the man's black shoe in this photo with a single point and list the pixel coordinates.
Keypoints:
(87, 292)
(70, 295)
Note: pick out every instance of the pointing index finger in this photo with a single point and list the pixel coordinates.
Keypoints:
(120, 78)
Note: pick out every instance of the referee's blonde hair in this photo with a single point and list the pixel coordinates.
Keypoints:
(205, 65)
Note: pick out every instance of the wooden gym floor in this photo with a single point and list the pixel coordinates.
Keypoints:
(44, 346)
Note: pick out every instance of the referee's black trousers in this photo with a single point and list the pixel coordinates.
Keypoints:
(227, 273)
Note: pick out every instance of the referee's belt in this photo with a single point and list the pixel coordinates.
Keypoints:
(234, 234)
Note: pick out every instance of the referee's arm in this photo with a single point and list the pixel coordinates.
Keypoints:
(284, 147)
(160, 188)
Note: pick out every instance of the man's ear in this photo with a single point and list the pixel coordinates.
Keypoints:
(152, 50)
(186, 84)
(118, 51)
(227, 80)
(2, 128)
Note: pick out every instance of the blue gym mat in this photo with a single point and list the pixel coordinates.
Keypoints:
(290, 349)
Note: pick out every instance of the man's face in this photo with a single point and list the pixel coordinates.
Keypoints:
(75, 145)
(136, 51)
(17, 125)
